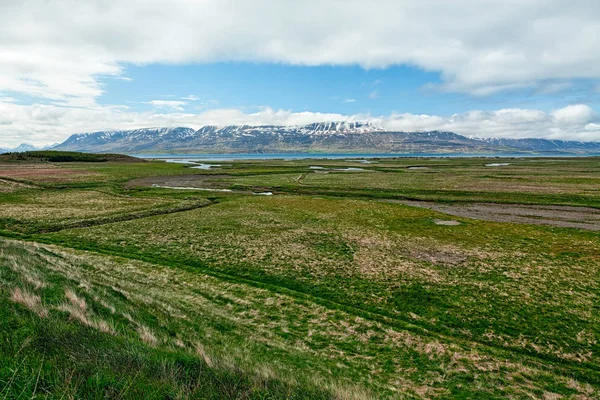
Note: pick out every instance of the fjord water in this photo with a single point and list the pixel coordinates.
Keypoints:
(338, 156)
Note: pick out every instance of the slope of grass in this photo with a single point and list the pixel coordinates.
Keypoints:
(84, 325)
(72, 329)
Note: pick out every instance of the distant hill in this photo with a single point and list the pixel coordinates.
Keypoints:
(340, 137)
(64, 156)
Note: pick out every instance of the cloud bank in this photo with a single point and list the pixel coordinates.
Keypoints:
(59, 52)
(44, 124)
(58, 49)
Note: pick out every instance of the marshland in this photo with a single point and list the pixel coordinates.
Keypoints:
(342, 284)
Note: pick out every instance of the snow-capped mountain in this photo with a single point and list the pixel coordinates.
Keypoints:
(341, 137)
(20, 148)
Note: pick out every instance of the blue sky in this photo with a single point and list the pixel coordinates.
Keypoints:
(332, 89)
(515, 68)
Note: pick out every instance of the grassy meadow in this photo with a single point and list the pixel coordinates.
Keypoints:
(115, 287)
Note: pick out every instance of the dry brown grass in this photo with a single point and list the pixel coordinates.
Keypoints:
(44, 173)
(73, 205)
(28, 275)
(75, 312)
(202, 353)
(30, 300)
(76, 306)
(75, 300)
(147, 336)
(346, 393)
(7, 186)
(104, 326)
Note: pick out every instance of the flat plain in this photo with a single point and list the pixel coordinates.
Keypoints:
(380, 278)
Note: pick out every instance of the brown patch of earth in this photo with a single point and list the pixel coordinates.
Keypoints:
(450, 222)
(561, 216)
(441, 256)
(40, 172)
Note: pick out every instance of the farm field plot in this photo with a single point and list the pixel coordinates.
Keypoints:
(38, 210)
(333, 286)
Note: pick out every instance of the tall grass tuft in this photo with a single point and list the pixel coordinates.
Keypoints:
(30, 300)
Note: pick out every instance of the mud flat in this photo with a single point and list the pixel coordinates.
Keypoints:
(208, 183)
(193, 188)
(182, 181)
(561, 216)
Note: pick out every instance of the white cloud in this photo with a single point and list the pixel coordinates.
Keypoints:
(44, 124)
(553, 87)
(168, 104)
(191, 97)
(573, 122)
(592, 127)
(58, 49)
(349, 101)
(575, 114)
(374, 95)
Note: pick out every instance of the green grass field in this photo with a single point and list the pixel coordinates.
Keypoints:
(113, 287)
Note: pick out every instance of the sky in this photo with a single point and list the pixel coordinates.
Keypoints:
(511, 68)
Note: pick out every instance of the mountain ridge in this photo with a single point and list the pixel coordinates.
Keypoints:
(24, 147)
(334, 137)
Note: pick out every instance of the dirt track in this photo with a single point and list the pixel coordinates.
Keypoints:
(561, 216)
